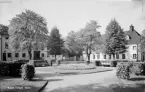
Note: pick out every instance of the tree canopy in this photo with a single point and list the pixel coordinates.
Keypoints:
(115, 38)
(89, 37)
(71, 43)
(28, 31)
(55, 43)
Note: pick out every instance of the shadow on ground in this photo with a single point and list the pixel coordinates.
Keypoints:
(137, 79)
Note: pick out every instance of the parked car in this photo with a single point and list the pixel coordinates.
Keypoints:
(39, 63)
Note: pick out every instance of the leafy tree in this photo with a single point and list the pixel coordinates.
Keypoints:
(89, 37)
(28, 31)
(73, 46)
(115, 39)
(56, 43)
(142, 41)
(3, 28)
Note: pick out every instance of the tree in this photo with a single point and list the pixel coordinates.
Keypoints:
(56, 43)
(142, 43)
(115, 39)
(89, 37)
(73, 46)
(28, 31)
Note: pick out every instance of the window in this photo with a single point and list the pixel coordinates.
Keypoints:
(117, 56)
(123, 56)
(93, 56)
(134, 56)
(104, 56)
(42, 54)
(134, 47)
(6, 45)
(109, 56)
(16, 54)
(98, 56)
(23, 55)
(9, 55)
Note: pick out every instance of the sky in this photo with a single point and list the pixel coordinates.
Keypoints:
(72, 15)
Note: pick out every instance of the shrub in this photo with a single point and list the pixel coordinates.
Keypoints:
(28, 72)
(113, 63)
(4, 69)
(137, 68)
(123, 71)
(10, 68)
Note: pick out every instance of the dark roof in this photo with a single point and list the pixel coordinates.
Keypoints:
(134, 37)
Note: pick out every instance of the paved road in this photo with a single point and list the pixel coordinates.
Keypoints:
(103, 78)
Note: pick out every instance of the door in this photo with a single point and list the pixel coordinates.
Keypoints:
(143, 56)
(4, 57)
(36, 55)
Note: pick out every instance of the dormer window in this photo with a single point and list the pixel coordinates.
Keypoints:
(127, 37)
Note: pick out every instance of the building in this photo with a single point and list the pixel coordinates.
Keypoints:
(6, 54)
(133, 38)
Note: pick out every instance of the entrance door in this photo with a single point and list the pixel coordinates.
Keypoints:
(4, 57)
(143, 56)
(36, 55)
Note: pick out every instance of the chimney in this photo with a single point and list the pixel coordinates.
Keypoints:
(131, 28)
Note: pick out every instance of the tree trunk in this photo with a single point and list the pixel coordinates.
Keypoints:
(30, 54)
(88, 58)
(55, 57)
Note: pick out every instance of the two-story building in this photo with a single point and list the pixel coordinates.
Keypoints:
(132, 54)
(7, 54)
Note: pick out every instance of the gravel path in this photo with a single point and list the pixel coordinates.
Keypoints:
(103, 78)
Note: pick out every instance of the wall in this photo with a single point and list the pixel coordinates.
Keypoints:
(128, 55)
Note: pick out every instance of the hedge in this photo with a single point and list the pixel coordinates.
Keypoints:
(124, 69)
(10, 68)
(28, 72)
(137, 68)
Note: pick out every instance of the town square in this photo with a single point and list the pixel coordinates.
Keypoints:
(72, 45)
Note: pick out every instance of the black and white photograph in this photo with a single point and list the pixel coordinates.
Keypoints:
(72, 45)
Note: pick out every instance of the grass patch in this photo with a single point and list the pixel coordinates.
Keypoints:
(8, 84)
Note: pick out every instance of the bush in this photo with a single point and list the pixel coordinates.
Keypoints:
(123, 71)
(28, 72)
(113, 63)
(137, 68)
(97, 63)
(10, 68)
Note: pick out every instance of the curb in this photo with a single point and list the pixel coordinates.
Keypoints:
(43, 87)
